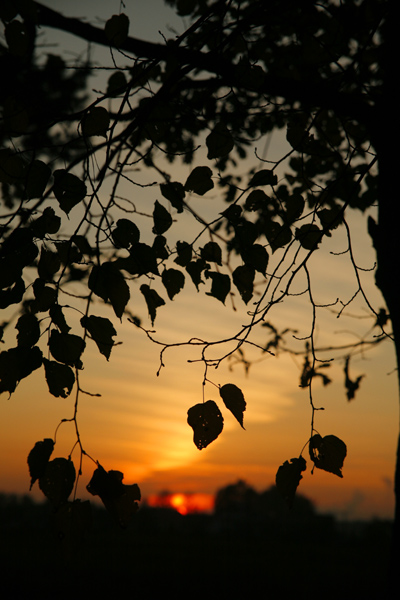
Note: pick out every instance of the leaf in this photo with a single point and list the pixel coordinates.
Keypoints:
(257, 257)
(220, 287)
(234, 401)
(108, 283)
(328, 453)
(16, 364)
(184, 251)
(58, 480)
(207, 423)
(288, 478)
(48, 265)
(96, 122)
(219, 142)
(57, 316)
(119, 499)
(160, 247)
(263, 177)
(60, 378)
(38, 459)
(125, 234)
(212, 253)
(68, 189)
(278, 235)
(37, 174)
(117, 29)
(351, 386)
(45, 296)
(199, 181)
(116, 84)
(175, 193)
(101, 331)
(195, 269)
(173, 281)
(66, 348)
(48, 222)
(162, 219)
(309, 236)
(28, 330)
(153, 301)
(243, 278)
(142, 260)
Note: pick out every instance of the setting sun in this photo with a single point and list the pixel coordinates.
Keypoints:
(182, 503)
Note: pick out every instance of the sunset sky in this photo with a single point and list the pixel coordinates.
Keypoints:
(138, 425)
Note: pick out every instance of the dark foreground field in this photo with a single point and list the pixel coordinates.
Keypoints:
(165, 555)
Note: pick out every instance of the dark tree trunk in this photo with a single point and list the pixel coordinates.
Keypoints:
(387, 241)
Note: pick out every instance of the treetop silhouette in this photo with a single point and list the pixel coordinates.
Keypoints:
(321, 72)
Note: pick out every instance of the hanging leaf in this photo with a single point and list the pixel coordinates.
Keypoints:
(220, 287)
(162, 219)
(107, 282)
(328, 453)
(101, 331)
(184, 251)
(60, 378)
(278, 235)
(57, 316)
(309, 236)
(48, 222)
(199, 181)
(96, 122)
(207, 423)
(58, 480)
(351, 386)
(66, 348)
(28, 330)
(263, 177)
(234, 401)
(16, 364)
(48, 265)
(45, 296)
(117, 29)
(38, 459)
(116, 84)
(142, 260)
(160, 247)
(173, 281)
(243, 278)
(219, 142)
(212, 253)
(153, 301)
(256, 256)
(125, 234)
(175, 193)
(288, 478)
(119, 499)
(37, 174)
(195, 269)
(68, 189)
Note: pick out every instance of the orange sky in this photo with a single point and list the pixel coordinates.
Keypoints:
(138, 425)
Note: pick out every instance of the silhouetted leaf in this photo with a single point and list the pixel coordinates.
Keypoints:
(116, 84)
(220, 287)
(256, 256)
(57, 316)
(328, 453)
(125, 233)
(212, 253)
(48, 222)
(207, 423)
(309, 236)
(160, 247)
(101, 331)
(108, 283)
(58, 480)
(173, 281)
(351, 386)
(153, 300)
(234, 401)
(68, 189)
(162, 219)
(60, 378)
(16, 364)
(175, 193)
(49, 264)
(37, 175)
(45, 296)
(28, 330)
(257, 200)
(195, 269)
(199, 181)
(117, 29)
(184, 251)
(263, 177)
(278, 235)
(288, 478)
(96, 122)
(66, 348)
(119, 499)
(243, 278)
(219, 142)
(38, 459)
(142, 260)
(12, 295)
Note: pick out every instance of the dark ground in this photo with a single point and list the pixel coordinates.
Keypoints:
(162, 554)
